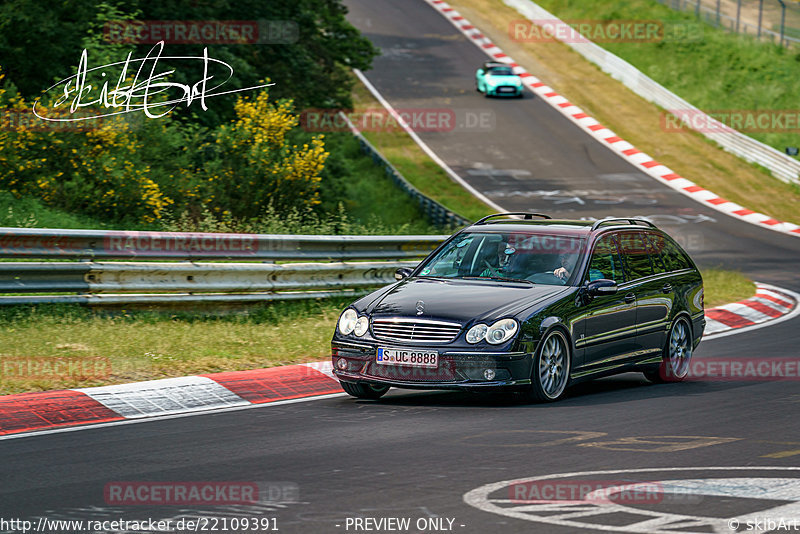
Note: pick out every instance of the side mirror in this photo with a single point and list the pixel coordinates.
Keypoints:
(401, 273)
(602, 286)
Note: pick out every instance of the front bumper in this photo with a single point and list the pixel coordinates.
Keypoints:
(458, 369)
(504, 90)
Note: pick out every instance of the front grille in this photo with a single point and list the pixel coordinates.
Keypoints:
(418, 330)
(445, 373)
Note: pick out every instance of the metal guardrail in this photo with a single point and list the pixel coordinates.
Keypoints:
(101, 244)
(109, 282)
(437, 213)
(782, 166)
(159, 283)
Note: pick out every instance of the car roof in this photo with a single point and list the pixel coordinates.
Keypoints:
(562, 226)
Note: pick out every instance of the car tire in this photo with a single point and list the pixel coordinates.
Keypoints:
(364, 391)
(551, 367)
(676, 356)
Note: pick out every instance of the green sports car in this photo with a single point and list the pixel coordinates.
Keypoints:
(498, 79)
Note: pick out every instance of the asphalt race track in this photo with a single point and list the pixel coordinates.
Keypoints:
(416, 454)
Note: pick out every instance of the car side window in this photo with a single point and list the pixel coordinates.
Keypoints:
(655, 255)
(637, 257)
(674, 258)
(605, 261)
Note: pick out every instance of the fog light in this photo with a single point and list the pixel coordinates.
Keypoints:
(341, 363)
(488, 374)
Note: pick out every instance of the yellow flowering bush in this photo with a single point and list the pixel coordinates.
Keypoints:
(89, 167)
(258, 165)
(132, 169)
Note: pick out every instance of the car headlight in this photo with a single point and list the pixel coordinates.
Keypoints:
(347, 322)
(476, 333)
(491, 82)
(499, 332)
(361, 326)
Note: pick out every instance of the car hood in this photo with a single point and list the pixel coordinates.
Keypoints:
(460, 300)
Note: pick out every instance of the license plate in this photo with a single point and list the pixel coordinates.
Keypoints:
(506, 90)
(408, 357)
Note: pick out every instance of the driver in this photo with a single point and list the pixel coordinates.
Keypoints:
(497, 263)
(565, 262)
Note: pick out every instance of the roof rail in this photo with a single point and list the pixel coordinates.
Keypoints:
(627, 220)
(526, 216)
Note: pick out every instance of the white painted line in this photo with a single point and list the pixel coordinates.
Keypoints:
(652, 521)
(794, 313)
(713, 326)
(210, 411)
(770, 304)
(325, 368)
(747, 312)
(425, 148)
(164, 397)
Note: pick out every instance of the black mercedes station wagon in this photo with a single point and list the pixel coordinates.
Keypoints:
(528, 304)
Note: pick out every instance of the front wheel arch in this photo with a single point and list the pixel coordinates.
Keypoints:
(549, 386)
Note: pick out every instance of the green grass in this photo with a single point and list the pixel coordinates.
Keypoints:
(416, 166)
(720, 71)
(29, 212)
(146, 346)
(721, 286)
(372, 198)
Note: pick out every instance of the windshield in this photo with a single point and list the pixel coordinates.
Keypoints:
(539, 258)
(501, 71)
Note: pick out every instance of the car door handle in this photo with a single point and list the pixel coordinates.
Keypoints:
(667, 288)
(630, 297)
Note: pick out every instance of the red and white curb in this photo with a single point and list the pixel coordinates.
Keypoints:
(46, 410)
(770, 304)
(592, 126)
(25, 413)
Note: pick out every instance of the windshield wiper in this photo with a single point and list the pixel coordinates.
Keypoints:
(499, 278)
